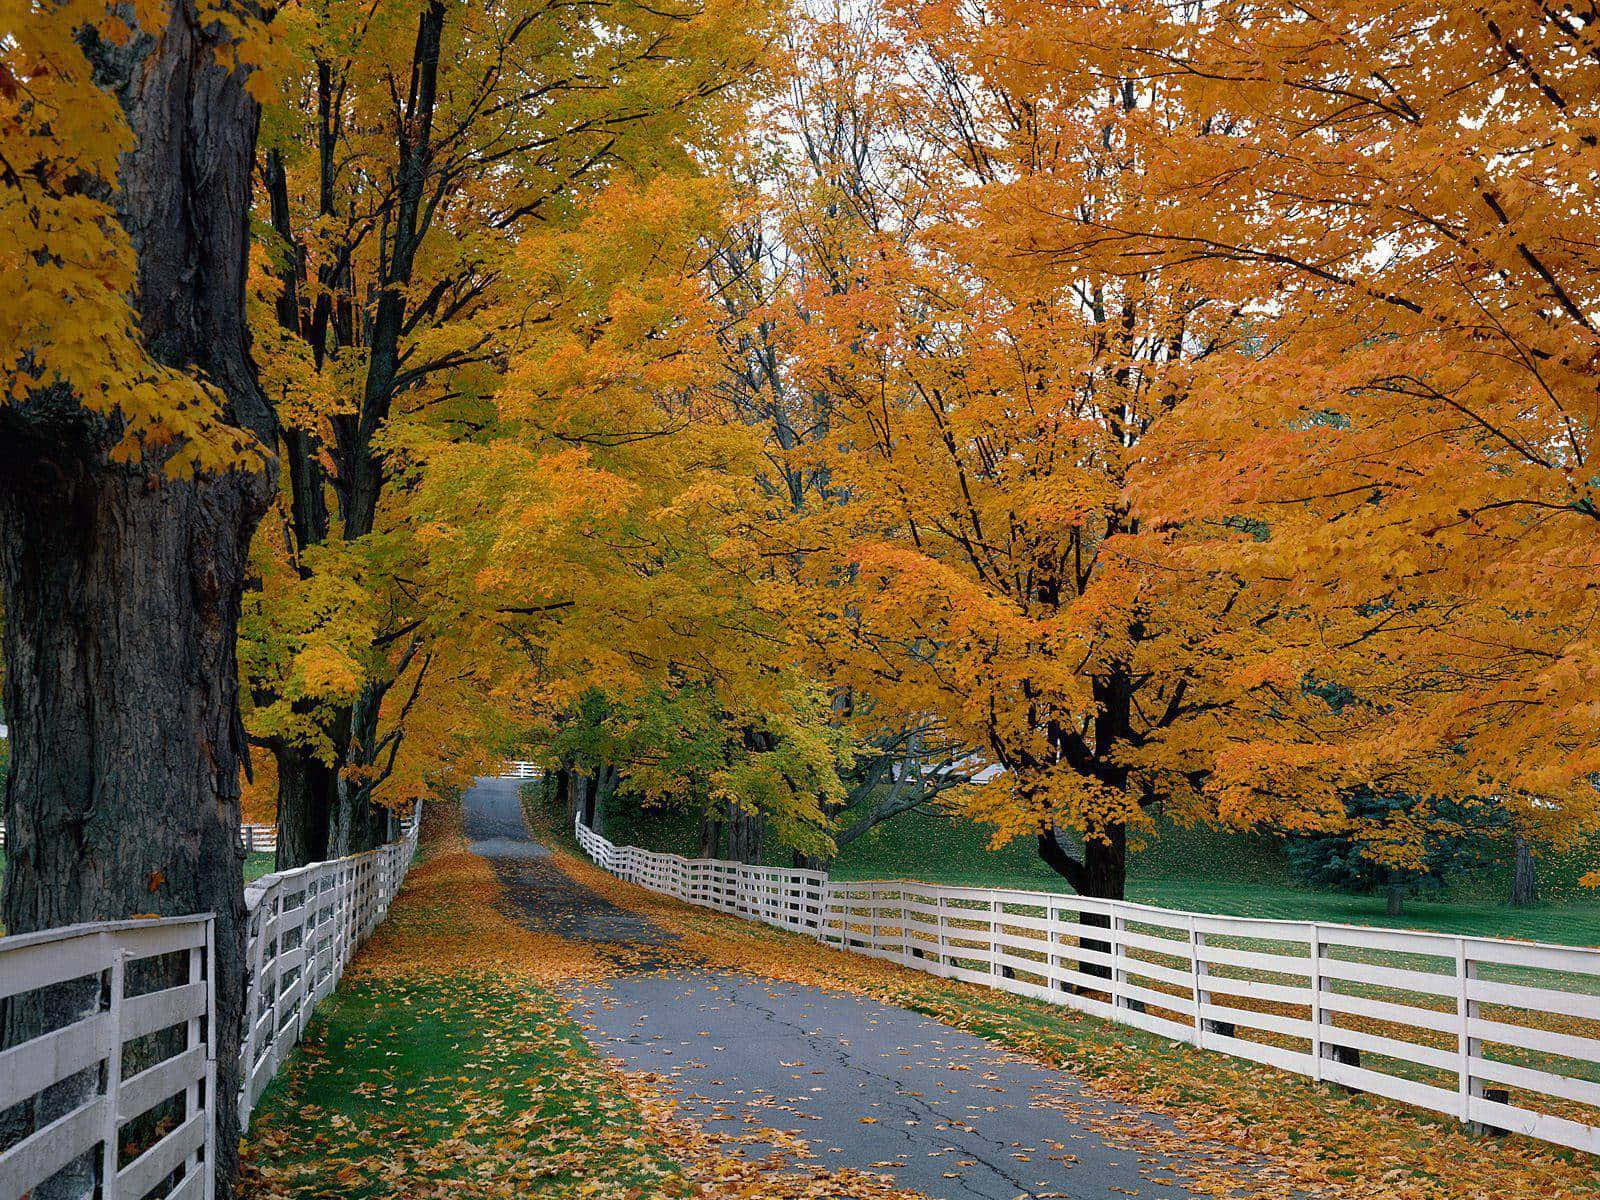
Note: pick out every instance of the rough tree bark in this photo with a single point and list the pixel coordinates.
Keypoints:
(566, 791)
(304, 784)
(747, 835)
(1524, 879)
(122, 591)
(709, 841)
(597, 788)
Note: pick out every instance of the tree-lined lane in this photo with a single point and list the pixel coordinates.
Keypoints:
(864, 1084)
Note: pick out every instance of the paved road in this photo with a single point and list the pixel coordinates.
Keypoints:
(864, 1084)
(546, 897)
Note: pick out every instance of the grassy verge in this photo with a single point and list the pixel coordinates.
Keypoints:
(446, 1066)
(463, 1086)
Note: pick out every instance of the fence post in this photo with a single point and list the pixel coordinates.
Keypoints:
(275, 1001)
(108, 1151)
(324, 945)
(253, 996)
(1118, 975)
(211, 1058)
(1197, 975)
(200, 1092)
(1466, 1009)
(994, 938)
(944, 938)
(1315, 980)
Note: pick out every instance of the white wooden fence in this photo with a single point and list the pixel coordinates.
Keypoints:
(304, 925)
(76, 1069)
(258, 839)
(1500, 1034)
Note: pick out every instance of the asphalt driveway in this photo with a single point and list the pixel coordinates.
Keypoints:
(861, 1083)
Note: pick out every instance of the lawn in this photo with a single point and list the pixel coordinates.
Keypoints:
(465, 1085)
(1197, 869)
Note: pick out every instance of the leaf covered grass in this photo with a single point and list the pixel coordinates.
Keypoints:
(445, 1065)
(433, 1085)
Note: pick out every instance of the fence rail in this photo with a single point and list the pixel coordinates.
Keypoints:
(116, 1075)
(1499, 1034)
(304, 926)
(258, 839)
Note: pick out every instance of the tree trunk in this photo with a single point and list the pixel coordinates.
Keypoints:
(747, 837)
(567, 793)
(356, 822)
(1395, 898)
(1524, 880)
(122, 589)
(1102, 872)
(1105, 862)
(590, 787)
(605, 786)
(555, 789)
(710, 841)
(306, 792)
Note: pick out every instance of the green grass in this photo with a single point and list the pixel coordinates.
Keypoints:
(426, 1085)
(1197, 869)
(1207, 870)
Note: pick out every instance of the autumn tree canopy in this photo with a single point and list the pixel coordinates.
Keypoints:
(1138, 409)
(1408, 193)
(1074, 412)
(409, 156)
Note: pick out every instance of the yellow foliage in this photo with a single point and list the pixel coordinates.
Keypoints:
(66, 252)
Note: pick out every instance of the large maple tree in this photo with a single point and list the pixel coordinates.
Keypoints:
(988, 381)
(135, 446)
(1409, 191)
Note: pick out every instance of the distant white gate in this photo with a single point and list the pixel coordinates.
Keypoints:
(1499, 1033)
